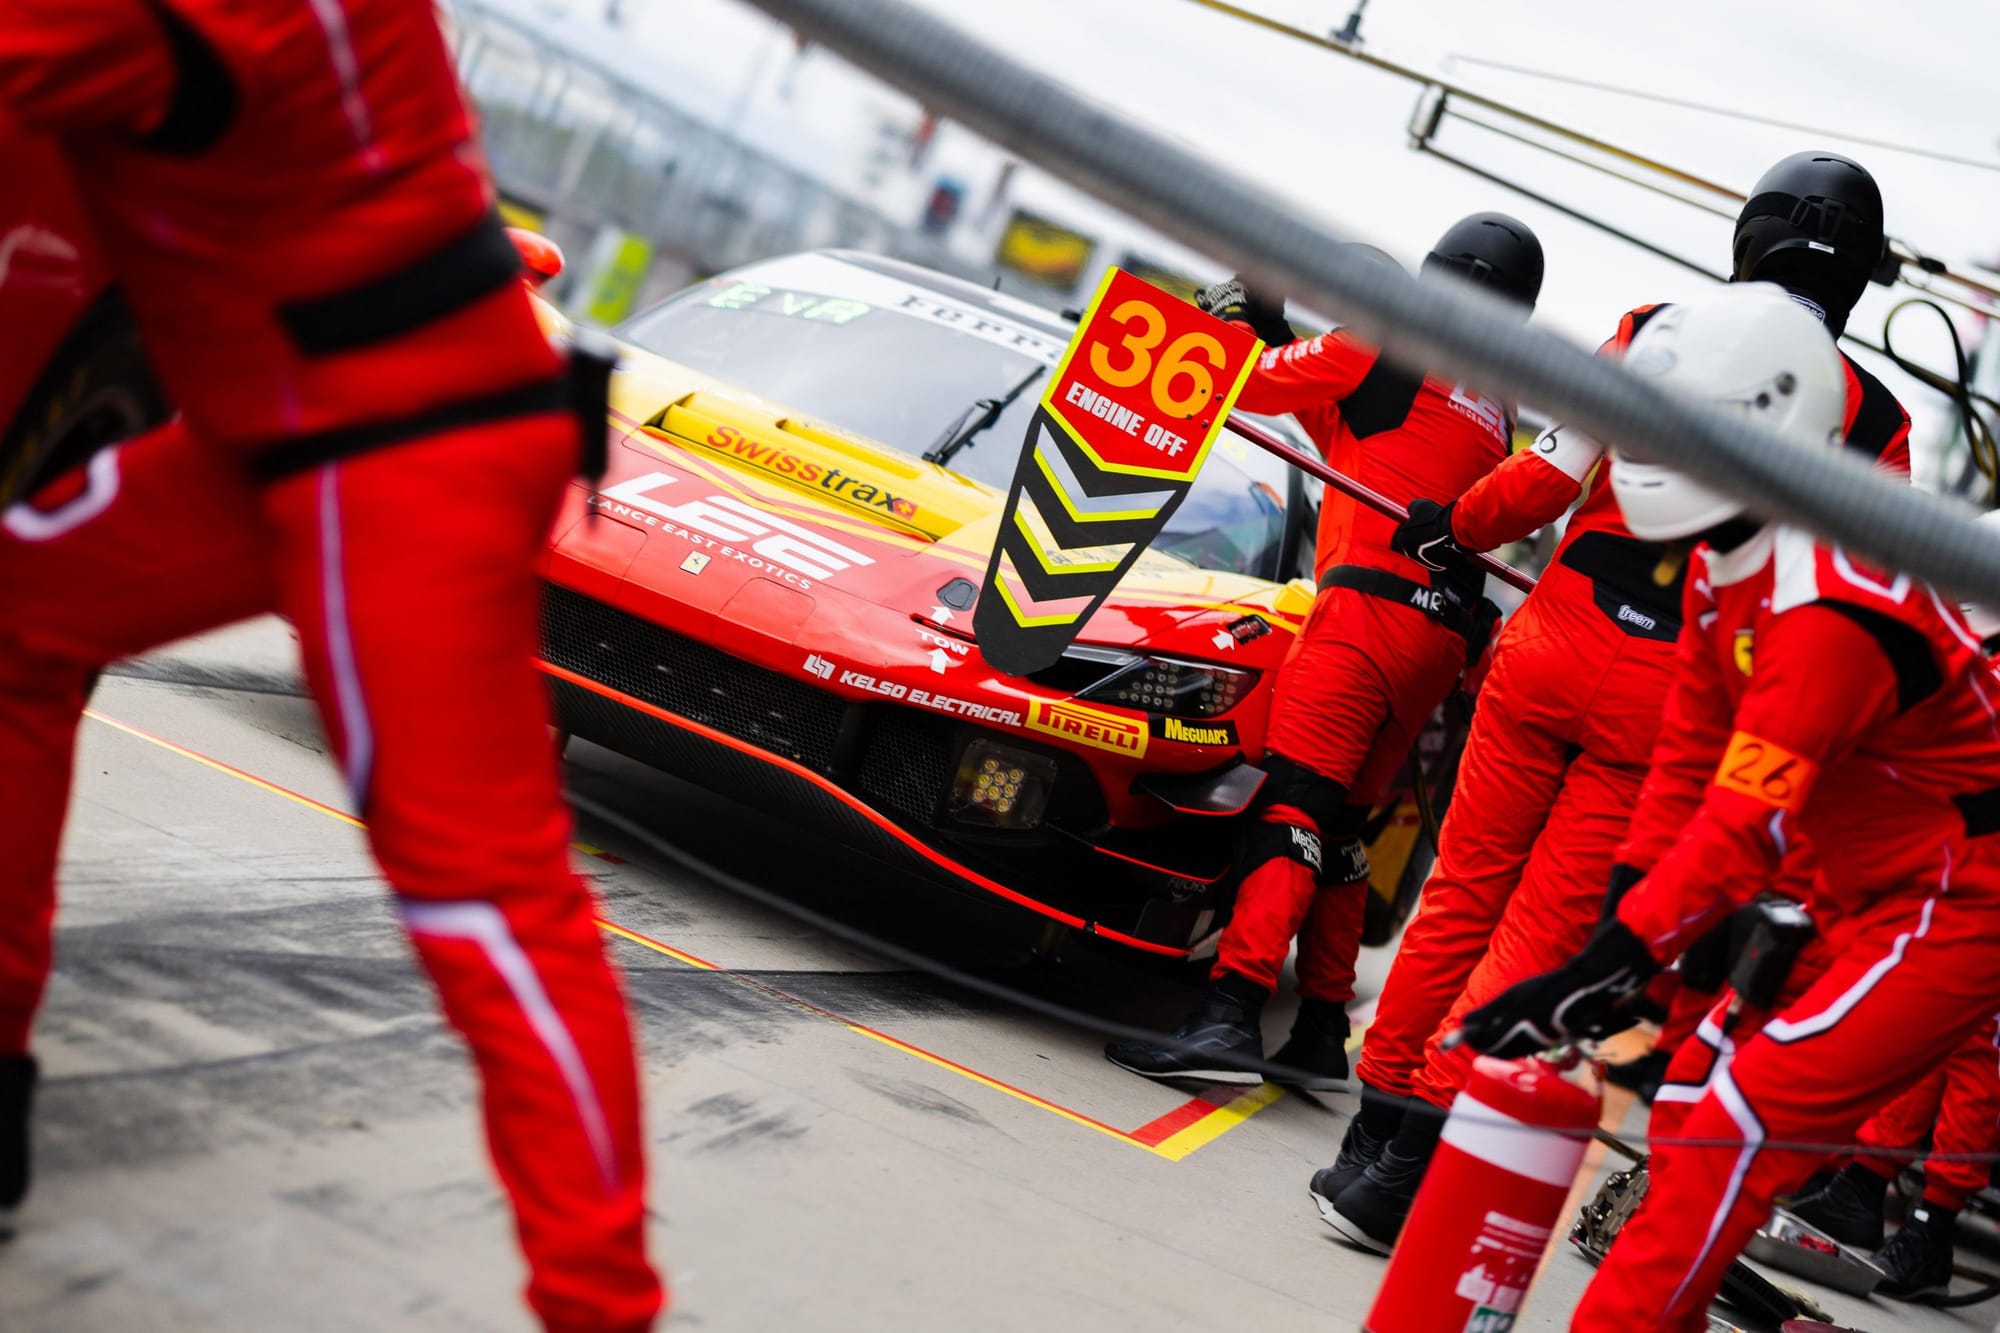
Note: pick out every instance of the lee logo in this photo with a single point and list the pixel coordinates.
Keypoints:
(1194, 733)
(1766, 772)
(748, 530)
(1101, 731)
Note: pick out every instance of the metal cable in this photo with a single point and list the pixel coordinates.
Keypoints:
(1733, 113)
(1446, 328)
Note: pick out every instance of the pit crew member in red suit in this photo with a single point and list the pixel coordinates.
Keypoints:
(1567, 717)
(1383, 645)
(375, 434)
(1813, 695)
(1955, 1109)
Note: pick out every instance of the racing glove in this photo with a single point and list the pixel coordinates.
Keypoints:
(1589, 996)
(1425, 536)
(1236, 299)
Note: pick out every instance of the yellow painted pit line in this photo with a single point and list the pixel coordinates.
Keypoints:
(1192, 1125)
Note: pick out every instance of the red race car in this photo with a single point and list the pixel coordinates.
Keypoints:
(773, 600)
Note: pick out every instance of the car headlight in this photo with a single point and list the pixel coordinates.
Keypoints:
(1001, 787)
(1165, 685)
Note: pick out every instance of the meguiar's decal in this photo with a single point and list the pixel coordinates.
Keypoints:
(1114, 448)
(1194, 731)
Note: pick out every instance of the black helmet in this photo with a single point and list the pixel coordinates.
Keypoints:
(1494, 251)
(1813, 225)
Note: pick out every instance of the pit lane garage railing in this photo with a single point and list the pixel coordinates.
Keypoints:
(591, 150)
(1449, 329)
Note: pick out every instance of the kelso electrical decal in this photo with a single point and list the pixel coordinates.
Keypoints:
(1101, 731)
(824, 668)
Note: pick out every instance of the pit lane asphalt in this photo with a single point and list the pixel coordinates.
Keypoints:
(254, 1119)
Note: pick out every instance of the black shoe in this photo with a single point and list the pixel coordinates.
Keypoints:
(1370, 1212)
(1849, 1209)
(1643, 1075)
(17, 1092)
(1317, 1048)
(1916, 1262)
(1816, 1184)
(1373, 1126)
(1219, 1043)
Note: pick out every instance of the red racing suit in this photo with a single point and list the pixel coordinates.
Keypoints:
(1813, 697)
(1382, 646)
(1559, 744)
(1956, 1107)
(374, 440)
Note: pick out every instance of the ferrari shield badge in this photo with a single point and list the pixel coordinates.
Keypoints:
(1111, 452)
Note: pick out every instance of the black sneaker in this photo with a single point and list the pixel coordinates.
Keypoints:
(1642, 1076)
(1916, 1263)
(1370, 1212)
(17, 1092)
(1317, 1048)
(1849, 1209)
(1373, 1126)
(1219, 1043)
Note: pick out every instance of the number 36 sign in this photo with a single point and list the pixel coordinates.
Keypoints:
(1112, 451)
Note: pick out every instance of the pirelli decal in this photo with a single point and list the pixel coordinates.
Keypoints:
(1190, 731)
(1082, 724)
(1766, 772)
(1111, 452)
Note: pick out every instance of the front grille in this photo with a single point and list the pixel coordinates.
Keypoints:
(907, 766)
(689, 678)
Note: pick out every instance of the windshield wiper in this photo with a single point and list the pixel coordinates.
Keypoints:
(966, 427)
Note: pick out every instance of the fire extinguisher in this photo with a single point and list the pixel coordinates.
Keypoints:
(1492, 1198)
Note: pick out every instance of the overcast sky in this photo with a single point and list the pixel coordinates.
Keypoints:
(1331, 133)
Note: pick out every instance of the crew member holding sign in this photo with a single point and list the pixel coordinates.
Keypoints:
(1384, 644)
(1812, 695)
(1569, 712)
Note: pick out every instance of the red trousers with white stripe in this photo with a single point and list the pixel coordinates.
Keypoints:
(410, 575)
(1551, 771)
(1909, 978)
(1955, 1106)
(1361, 680)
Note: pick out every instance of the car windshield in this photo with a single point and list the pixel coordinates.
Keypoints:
(907, 378)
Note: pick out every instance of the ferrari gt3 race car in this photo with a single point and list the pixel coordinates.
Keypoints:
(770, 594)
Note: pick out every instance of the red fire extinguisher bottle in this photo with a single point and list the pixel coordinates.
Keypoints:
(1492, 1198)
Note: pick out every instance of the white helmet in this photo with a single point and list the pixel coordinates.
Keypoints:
(1984, 620)
(1749, 347)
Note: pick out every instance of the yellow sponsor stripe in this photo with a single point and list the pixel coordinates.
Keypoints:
(1218, 1122)
(775, 492)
